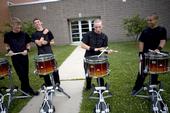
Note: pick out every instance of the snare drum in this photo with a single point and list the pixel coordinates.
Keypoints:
(4, 67)
(97, 66)
(157, 63)
(45, 64)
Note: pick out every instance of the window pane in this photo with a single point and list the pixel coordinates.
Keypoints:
(74, 26)
(75, 35)
(74, 22)
(76, 39)
(85, 30)
(75, 31)
(80, 27)
(84, 22)
(85, 25)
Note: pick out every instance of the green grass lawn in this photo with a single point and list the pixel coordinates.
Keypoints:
(124, 67)
(60, 52)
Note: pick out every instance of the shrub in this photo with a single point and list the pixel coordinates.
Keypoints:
(28, 27)
(134, 26)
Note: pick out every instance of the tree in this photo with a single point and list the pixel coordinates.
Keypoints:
(134, 26)
(28, 27)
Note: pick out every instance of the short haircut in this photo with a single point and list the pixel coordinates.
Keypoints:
(97, 21)
(15, 20)
(35, 19)
(155, 16)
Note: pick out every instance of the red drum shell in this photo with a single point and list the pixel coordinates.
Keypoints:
(157, 63)
(45, 64)
(4, 67)
(97, 66)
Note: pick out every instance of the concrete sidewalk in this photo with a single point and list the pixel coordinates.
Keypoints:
(70, 72)
(72, 67)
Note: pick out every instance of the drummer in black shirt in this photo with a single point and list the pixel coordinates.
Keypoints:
(43, 39)
(154, 38)
(94, 42)
(17, 41)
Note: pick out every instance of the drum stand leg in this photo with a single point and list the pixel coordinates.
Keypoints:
(101, 106)
(154, 94)
(47, 106)
(3, 108)
(158, 105)
(57, 86)
(11, 91)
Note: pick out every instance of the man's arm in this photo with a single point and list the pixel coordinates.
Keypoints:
(86, 47)
(39, 42)
(141, 46)
(25, 52)
(10, 52)
(163, 35)
(28, 46)
(52, 42)
(42, 42)
(161, 45)
(7, 47)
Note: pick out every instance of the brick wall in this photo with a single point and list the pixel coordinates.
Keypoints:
(21, 1)
(4, 18)
(112, 12)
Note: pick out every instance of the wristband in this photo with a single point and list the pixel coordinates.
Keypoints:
(28, 50)
(8, 50)
(48, 42)
(43, 35)
(159, 48)
(91, 49)
(140, 53)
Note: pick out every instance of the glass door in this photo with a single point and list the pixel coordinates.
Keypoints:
(78, 27)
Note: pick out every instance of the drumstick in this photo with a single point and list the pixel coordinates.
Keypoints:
(151, 50)
(13, 54)
(102, 52)
(111, 50)
(157, 52)
(115, 51)
(162, 53)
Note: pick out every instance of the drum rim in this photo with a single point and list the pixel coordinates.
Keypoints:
(156, 58)
(44, 57)
(3, 61)
(150, 55)
(46, 54)
(160, 72)
(88, 60)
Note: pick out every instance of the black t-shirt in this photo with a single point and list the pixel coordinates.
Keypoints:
(17, 41)
(44, 49)
(151, 37)
(94, 40)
